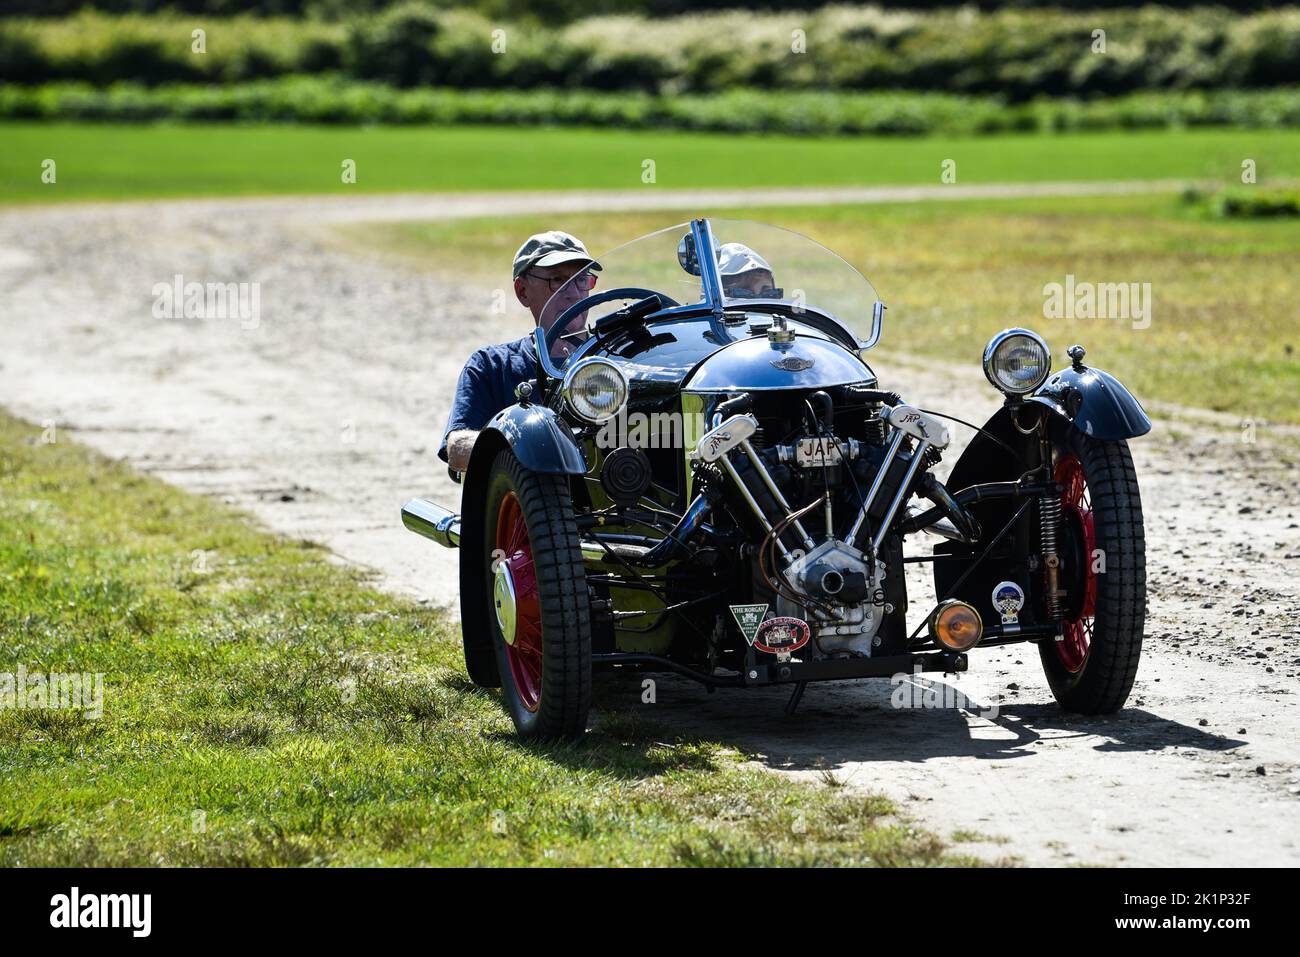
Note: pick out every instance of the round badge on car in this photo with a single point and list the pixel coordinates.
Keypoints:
(778, 636)
(1008, 599)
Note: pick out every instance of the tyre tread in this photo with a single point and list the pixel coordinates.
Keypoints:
(565, 605)
(1106, 680)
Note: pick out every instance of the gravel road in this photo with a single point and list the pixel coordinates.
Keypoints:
(324, 414)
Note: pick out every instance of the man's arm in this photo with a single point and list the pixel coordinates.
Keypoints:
(471, 409)
(460, 443)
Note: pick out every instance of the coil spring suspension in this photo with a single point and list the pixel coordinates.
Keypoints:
(1049, 520)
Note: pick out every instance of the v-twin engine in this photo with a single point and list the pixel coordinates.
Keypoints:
(847, 489)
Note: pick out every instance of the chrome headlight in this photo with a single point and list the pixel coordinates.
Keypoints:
(596, 390)
(1017, 361)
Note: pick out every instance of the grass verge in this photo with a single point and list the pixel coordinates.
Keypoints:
(105, 161)
(264, 706)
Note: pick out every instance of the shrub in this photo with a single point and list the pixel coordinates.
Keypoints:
(1257, 203)
(21, 58)
(397, 46)
(1013, 52)
(337, 100)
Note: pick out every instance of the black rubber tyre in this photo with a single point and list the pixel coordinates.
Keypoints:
(1103, 679)
(561, 699)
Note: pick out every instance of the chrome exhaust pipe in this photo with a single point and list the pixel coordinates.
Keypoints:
(927, 431)
(901, 493)
(432, 521)
(876, 484)
(775, 492)
(753, 505)
(608, 552)
(744, 489)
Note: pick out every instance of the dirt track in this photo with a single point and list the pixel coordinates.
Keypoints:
(323, 417)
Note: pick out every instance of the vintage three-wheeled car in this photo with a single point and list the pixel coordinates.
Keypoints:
(707, 478)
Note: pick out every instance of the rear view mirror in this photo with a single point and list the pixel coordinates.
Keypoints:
(686, 256)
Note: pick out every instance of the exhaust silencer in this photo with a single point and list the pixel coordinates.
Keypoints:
(432, 521)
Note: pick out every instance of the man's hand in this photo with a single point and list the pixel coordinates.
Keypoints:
(459, 446)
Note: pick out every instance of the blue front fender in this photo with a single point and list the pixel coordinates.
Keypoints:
(1095, 402)
(539, 439)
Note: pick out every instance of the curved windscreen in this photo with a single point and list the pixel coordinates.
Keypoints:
(754, 262)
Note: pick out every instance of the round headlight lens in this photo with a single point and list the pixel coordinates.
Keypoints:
(596, 390)
(956, 625)
(1017, 361)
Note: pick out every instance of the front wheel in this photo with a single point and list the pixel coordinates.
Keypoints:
(539, 610)
(1102, 546)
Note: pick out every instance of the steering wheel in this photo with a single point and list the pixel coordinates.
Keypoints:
(556, 332)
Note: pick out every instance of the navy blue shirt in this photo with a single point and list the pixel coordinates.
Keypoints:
(487, 385)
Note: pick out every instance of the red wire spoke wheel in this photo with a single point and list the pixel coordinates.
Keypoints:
(515, 601)
(1076, 512)
(1102, 546)
(538, 606)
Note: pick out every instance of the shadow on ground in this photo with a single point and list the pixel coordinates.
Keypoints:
(854, 722)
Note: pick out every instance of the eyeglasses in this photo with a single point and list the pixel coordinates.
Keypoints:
(744, 292)
(583, 280)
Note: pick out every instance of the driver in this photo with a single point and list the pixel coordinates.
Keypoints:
(746, 274)
(543, 268)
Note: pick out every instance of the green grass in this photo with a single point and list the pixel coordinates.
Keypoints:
(264, 706)
(136, 162)
(1224, 331)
